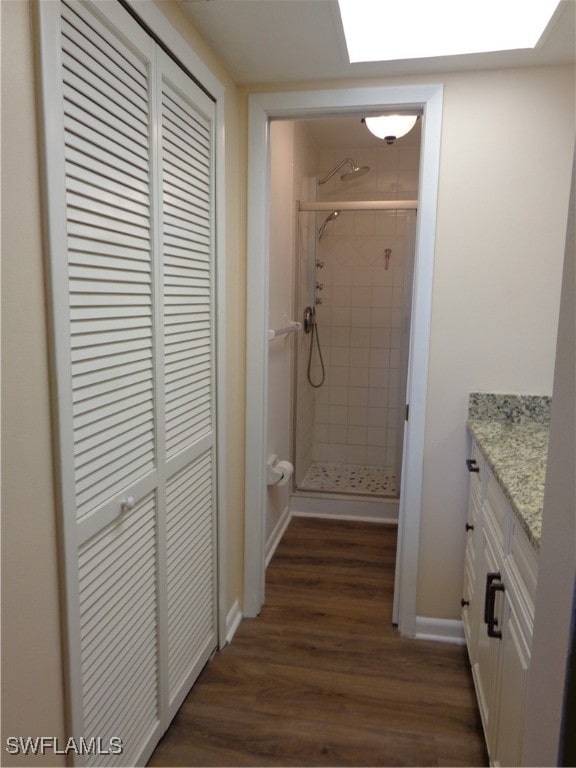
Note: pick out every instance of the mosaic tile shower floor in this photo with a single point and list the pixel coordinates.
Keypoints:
(350, 478)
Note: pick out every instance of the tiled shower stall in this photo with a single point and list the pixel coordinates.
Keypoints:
(348, 436)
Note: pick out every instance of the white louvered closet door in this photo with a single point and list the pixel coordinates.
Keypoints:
(130, 212)
(187, 245)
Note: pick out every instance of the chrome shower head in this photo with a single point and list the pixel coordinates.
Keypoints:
(355, 171)
(328, 218)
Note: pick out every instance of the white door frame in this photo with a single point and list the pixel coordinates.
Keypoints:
(292, 105)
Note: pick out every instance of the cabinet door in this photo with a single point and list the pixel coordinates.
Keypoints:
(473, 597)
(485, 667)
(514, 673)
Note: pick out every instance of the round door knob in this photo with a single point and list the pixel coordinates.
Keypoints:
(127, 504)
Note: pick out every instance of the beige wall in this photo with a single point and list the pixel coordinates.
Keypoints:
(556, 599)
(32, 686)
(505, 162)
(502, 211)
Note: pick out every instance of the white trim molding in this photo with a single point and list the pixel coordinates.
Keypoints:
(276, 535)
(337, 102)
(233, 620)
(441, 630)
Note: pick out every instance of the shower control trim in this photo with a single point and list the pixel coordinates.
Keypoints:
(309, 319)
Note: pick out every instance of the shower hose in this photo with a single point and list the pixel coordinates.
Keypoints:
(314, 334)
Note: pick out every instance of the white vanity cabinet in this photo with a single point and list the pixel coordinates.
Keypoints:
(498, 610)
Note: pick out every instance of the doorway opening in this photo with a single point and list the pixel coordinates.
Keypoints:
(354, 268)
(265, 108)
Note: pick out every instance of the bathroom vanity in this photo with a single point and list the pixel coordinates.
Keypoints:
(507, 466)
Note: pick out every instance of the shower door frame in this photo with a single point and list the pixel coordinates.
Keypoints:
(264, 107)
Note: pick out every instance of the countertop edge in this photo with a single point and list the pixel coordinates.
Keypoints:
(521, 514)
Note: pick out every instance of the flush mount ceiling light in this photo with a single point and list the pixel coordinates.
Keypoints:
(387, 30)
(390, 127)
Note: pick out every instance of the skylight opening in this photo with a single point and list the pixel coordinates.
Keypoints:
(388, 30)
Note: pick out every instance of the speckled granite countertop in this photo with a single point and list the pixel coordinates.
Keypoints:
(512, 434)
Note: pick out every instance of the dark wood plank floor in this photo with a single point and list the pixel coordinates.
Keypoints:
(322, 677)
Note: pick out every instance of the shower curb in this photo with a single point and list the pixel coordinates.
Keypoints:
(332, 506)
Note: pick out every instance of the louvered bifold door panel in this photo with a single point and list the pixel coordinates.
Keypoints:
(102, 266)
(130, 196)
(118, 624)
(187, 260)
(188, 257)
(191, 571)
(109, 239)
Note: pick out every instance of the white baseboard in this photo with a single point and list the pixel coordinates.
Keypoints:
(277, 534)
(233, 621)
(338, 508)
(441, 630)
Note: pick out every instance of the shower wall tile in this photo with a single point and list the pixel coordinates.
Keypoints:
(337, 414)
(338, 392)
(360, 318)
(359, 356)
(357, 416)
(376, 436)
(378, 417)
(340, 336)
(357, 435)
(360, 337)
(340, 276)
(341, 316)
(358, 396)
(360, 296)
(362, 275)
(340, 356)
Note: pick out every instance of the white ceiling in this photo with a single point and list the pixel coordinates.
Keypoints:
(269, 41)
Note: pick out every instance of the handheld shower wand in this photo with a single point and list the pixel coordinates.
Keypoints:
(328, 218)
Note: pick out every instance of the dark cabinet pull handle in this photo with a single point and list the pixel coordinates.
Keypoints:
(490, 577)
(492, 620)
(471, 464)
(469, 527)
(464, 603)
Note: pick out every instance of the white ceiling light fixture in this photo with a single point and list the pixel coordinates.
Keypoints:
(390, 127)
(388, 30)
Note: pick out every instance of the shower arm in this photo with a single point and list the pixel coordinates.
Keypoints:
(335, 170)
